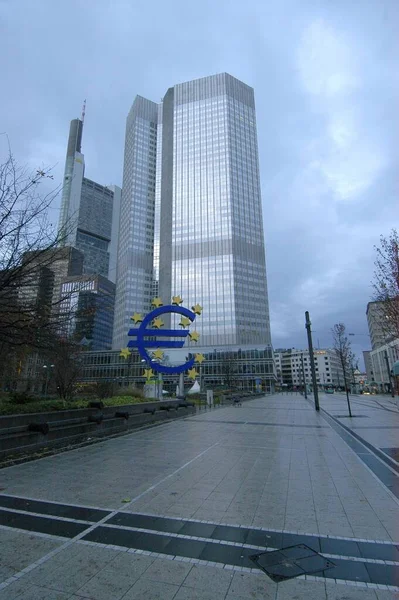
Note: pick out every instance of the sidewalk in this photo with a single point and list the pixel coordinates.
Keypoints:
(218, 487)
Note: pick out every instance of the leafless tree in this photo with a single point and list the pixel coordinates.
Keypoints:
(342, 347)
(67, 361)
(29, 244)
(228, 368)
(386, 283)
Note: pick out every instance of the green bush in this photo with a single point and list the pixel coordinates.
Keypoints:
(9, 408)
(104, 389)
(21, 398)
(129, 392)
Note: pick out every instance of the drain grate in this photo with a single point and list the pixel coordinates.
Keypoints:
(352, 417)
(291, 562)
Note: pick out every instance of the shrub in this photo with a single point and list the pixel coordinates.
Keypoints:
(131, 392)
(104, 389)
(21, 398)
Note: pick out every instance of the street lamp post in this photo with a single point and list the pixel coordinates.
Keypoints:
(311, 357)
(47, 372)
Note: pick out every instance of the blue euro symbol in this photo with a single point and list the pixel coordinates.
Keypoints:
(141, 344)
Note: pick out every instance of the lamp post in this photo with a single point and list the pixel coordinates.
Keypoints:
(311, 357)
(47, 375)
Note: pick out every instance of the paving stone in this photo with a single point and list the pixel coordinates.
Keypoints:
(299, 589)
(151, 590)
(18, 550)
(210, 579)
(343, 592)
(117, 577)
(187, 593)
(252, 585)
(387, 595)
(36, 592)
(168, 571)
(270, 476)
(13, 591)
(79, 569)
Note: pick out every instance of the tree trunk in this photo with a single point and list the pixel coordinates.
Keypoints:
(347, 394)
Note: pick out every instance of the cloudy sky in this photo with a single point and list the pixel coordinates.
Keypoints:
(326, 87)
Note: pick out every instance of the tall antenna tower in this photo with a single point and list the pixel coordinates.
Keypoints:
(83, 111)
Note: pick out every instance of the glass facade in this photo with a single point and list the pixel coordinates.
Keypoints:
(216, 238)
(89, 217)
(136, 232)
(93, 234)
(191, 214)
(88, 303)
(246, 369)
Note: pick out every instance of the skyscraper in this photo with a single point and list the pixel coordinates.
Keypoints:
(136, 232)
(89, 218)
(191, 212)
(88, 305)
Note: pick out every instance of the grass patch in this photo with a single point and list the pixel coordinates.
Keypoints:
(7, 407)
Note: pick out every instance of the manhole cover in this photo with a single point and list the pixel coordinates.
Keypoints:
(291, 562)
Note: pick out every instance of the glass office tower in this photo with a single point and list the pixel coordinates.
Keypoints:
(207, 239)
(89, 216)
(211, 233)
(134, 282)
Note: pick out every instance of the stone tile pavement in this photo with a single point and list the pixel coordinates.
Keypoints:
(273, 463)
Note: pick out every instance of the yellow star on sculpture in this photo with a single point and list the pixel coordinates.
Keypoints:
(158, 323)
(199, 358)
(192, 373)
(137, 318)
(158, 354)
(177, 300)
(125, 352)
(197, 308)
(185, 321)
(194, 336)
(148, 374)
(157, 302)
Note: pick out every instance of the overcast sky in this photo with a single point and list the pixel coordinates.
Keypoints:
(326, 87)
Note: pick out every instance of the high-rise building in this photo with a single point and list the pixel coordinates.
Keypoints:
(136, 232)
(191, 213)
(368, 365)
(88, 303)
(378, 324)
(89, 218)
(60, 263)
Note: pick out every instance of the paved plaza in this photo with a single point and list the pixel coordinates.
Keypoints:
(176, 511)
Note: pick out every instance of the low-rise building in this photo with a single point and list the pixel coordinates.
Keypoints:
(329, 372)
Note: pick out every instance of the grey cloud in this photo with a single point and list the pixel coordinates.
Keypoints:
(327, 125)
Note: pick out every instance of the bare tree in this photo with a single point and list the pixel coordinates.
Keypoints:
(386, 284)
(228, 368)
(67, 361)
(342, 347)
(29, 244)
